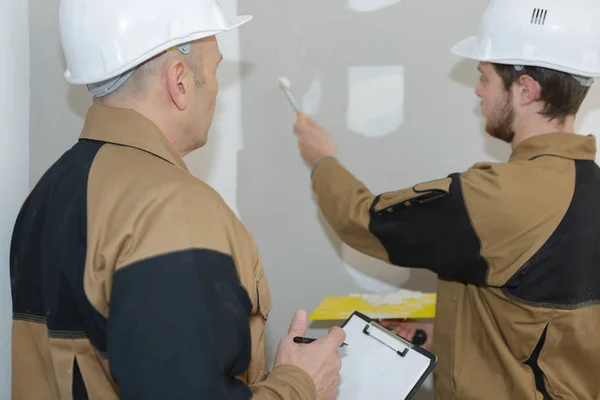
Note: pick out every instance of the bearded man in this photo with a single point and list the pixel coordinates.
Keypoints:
(515, 245)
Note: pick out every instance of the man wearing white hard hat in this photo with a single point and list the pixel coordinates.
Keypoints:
(132, 279)
(516, 245)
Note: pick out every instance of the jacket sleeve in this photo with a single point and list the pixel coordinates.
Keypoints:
(178, 319)
(285, 382)
(425, 226)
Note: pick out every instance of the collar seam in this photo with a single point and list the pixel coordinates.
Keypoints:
(131, 147)
(560, 156)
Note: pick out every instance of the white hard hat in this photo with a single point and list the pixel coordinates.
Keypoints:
(562, 35)
(103, 39)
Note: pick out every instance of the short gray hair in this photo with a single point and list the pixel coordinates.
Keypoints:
(135, 77)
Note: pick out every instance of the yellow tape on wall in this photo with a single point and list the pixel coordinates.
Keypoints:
(341, 307)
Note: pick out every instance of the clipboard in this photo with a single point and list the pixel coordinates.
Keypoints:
(379, 364)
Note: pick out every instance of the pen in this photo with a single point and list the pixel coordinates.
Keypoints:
(304, 340)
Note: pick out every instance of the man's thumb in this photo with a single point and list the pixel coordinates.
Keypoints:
(299, 324)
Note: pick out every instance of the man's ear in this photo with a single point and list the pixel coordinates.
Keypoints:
(529, 90)
(176, 86)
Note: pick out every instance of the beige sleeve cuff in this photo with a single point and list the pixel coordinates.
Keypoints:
(285, 382)
(320, 169)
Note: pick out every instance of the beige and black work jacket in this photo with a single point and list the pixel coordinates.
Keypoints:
(132, 279)
(516, 247)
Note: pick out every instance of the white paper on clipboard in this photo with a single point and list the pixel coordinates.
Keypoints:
(378, 364)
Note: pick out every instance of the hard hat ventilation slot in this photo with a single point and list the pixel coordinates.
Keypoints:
(538, 17)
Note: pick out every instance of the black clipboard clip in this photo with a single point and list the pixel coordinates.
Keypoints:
(385, 331)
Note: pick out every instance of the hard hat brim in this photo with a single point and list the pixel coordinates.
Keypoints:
(467, 48)
(232, 23)
(238, 20)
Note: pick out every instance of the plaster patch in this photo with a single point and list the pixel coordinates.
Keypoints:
(312, 99)
(14, 140)
(375, 100)
(590, 123)
(217, 162)
(395, 297)
(373, 275)
(227, 133)
(370, 5)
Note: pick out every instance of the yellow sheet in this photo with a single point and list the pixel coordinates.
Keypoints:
(341, 307)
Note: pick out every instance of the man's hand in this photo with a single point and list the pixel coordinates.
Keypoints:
(315, 142)
(319, 359)
(408, 328)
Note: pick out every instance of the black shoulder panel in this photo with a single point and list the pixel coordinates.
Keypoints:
(48, 251)
(432, 231)
(565, 272)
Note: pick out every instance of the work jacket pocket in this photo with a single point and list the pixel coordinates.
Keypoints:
(264, 301)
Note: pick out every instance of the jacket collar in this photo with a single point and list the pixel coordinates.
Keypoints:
(565, 145)
(129, 128)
